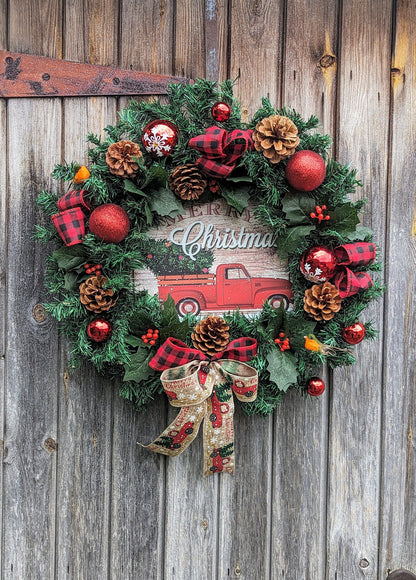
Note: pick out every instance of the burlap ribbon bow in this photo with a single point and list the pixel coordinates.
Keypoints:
(70, 221)
(357, 254)
(221, 150)
(203, 389)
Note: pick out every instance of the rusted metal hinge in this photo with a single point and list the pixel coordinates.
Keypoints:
(27, 75)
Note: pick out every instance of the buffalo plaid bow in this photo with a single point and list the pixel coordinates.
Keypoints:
(203, 389)
(221, 150)
(175, 353)
(70, 221)
(357, 254)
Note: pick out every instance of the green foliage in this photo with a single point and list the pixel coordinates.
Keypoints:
(148, 202)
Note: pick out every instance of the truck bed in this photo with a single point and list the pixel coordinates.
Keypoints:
(184, 279)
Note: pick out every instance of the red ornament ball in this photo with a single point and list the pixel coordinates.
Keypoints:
(305, 170)
(318, 264)
(99, 330)
(221, 111)
(110, 223)
(160, 137)
(315, 387)
(354, 333)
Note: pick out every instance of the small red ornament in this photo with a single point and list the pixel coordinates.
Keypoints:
(99, 330)
(318, 264)
(354, 333)
(160, 137)
(221, 111)
(305, 170)
(315, 387)
(110, 223)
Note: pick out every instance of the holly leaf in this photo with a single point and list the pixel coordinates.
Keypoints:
(137, 369)
(70, 257)
(71, 281)
(156, 174)
(297, 330)
(298, 208)
(278, 321)
(282, 368)
(178, 330)
(344, 219)
(292, 239)
(170, 315)
(165, 203)
(140, 321)
(133, 340)
(132, 188)
(361, 234)
(237, 198)
(240, 179)
(148, 213)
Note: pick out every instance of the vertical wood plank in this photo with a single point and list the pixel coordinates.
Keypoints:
(245, 499)
(29, 484)
(137, 510)
(356, 405)
(189, 47)
(216, 39)
(300, 429)
(85, 412)
(256, 51)
(398, 505)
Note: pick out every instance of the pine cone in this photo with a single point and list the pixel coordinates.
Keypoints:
(211, 335)
(277, 137)
(94, 296)
(322, 301)
(187, 182)
(119, 158)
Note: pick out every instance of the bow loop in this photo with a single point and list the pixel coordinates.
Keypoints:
(221, 150)
(357, 254)
(70, 221)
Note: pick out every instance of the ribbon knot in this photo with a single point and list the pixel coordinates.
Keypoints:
(70, 221)
(356, 254)
(203, 389)
(221, 150)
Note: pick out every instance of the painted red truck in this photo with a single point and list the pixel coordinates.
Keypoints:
(229, 288)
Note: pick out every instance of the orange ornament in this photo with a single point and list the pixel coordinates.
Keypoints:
(81, 175)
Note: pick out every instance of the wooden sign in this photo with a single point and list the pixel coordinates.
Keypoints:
(211, 259)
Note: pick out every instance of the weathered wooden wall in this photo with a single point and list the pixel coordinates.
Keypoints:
(324, 489)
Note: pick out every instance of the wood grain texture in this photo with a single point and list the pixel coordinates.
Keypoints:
(398, 503)
(256, 52)
(299, 510)
(189, 46)
(356, 404)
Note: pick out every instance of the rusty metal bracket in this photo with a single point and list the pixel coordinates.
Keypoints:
(27, 75)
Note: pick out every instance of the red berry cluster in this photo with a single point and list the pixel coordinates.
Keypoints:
(214, 186)
(151, 336)
(93, 269)
(319, 215)
(282, 342)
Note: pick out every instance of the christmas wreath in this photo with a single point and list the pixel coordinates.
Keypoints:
(161, 160)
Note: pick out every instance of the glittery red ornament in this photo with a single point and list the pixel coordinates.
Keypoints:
(305, 170)
(318, 264)
(315, 386)
(160, 137)
(110, 223)
(221, 111)
(354, 333)
(99, 330)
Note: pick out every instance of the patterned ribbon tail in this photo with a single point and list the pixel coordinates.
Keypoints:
(70, 221)
(221, 150)
(358, 254)
(204, 392)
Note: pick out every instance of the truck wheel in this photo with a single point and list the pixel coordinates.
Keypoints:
(188, 306)
(277, 299)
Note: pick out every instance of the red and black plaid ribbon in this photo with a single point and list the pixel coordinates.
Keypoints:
(70, 221)
(356, 255)
(175, 353)
(221, 150)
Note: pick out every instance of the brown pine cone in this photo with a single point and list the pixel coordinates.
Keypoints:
(187, 182)
(94, 296)
(211, 335)
(276, 137)
(119, 158)
(322, 301)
